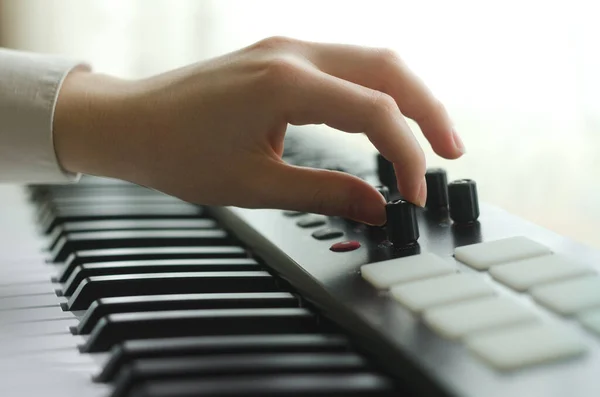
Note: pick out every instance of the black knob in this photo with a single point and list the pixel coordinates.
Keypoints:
(385, 192)
(402, 226)
(386, 173)
(464, 204)
(437, 189)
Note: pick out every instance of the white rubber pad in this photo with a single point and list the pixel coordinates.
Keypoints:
(570, 296)
(466, 318)
(483, 255)
(420, 295)
(591, 320)
(526, 345)
(382, 275)
(522, 275)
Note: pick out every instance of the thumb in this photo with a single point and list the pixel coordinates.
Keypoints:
(322, 192)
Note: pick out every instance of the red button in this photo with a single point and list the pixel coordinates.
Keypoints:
(345, 246)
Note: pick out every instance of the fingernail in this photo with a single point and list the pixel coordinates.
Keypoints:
(458, 143)
(422, 198)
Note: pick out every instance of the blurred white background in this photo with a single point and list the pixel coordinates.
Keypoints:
(521, 78)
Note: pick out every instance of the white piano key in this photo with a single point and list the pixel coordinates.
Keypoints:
(591, 320)
(526, 345)
(12, 344)
(382, 275)
(527, 273)
(27, 289)
(420, 295)
(30, 301)
(466, 318)
(41, 328)
(482, 256)
(35, 314)
(570, 296)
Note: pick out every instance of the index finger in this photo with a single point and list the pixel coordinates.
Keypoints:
(383, 70)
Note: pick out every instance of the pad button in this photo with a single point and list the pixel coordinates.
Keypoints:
(524, 274)
(461, 319)
(570, 296)
(382, 275)
(526, 345)
(424, 294)
(482, 256)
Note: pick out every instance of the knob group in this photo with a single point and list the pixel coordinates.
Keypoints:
(402, 226)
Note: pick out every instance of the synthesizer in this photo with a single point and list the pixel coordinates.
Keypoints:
(112, 289)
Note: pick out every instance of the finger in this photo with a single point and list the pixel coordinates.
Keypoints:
(384, 71)
(320, 98)
(319, 191)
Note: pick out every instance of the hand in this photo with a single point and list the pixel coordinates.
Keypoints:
(212, 133)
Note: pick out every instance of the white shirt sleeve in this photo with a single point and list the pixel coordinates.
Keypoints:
(29, 87)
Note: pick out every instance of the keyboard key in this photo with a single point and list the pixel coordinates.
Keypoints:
(424, 294)
(482, 256)
(313, 385)
(137, 304)
(79, 241)
(215, 345)
(526, 345)
(129, 224)
(157, 266)
(150, 253)
(527, 273)
(382, 275)
(274, 364)
(117, 211)
(93, 288)
(570, 296)
(591, 320)
(465, 318)
(116, 328)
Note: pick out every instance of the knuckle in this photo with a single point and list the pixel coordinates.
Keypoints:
(275, 43)
(388, 58)
(383, 105)
(423, 114)
(282, 70)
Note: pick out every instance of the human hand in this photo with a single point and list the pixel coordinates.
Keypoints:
(212, 133)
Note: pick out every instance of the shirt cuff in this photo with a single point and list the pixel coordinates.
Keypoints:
(29, 87)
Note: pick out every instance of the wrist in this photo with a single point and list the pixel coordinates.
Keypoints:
(90, 115)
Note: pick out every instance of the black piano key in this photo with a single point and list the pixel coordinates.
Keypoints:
(310, 385)
(137, 304)
(274, 364)
(154, 253)
(136, 197)
(56, 204)
(80, 241)
(129, 224)
(45, 194)
(130, 350)
(116, 328)
(156, 266)
(106, 212)
(93, 288)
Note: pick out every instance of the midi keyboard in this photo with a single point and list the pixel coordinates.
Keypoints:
(112, 289)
